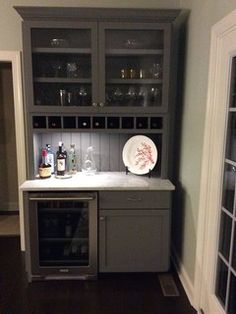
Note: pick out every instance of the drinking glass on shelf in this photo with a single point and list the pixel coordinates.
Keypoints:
(62, 93)
(124, 73)
(155, 96)
(143, 96)
(57, 68)
(70, 99)
(72, 69)
(108, 99)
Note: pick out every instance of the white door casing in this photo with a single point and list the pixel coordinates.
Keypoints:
(14, 57)
(223, 48)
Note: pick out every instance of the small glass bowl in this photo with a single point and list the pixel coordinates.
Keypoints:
(59, 43)
(131, 43)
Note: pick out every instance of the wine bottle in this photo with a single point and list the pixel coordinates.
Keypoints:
(61, 161)
(44, 168)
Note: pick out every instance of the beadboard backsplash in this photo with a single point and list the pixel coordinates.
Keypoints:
(108, 148)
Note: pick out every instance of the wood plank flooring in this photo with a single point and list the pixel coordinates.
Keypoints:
(110, 294)
(9, 225)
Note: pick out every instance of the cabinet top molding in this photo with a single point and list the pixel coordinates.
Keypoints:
(55, 13)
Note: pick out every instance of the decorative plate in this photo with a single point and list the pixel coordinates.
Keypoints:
(140, 154)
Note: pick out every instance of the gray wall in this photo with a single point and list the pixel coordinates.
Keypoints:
(8, 167)
(204, 13)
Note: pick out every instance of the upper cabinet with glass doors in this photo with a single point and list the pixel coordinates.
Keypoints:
(64, 66)
(136, 67)
(84, 62)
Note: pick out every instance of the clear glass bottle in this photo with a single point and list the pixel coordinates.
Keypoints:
(72, 160)
(89, 166)
(50, 157)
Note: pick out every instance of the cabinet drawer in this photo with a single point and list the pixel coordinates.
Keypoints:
(134, 199)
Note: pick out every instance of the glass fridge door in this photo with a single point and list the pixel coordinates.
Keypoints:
(63, 231)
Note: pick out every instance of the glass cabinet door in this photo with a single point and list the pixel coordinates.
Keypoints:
(135, 58)
(63, 233)
(63, 66)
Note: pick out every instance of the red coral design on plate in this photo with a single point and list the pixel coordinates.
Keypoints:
(144, 156)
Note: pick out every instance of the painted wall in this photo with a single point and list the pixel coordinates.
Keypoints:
(8, 166)
(204, 14)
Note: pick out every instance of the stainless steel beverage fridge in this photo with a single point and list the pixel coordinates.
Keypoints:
(62, 229)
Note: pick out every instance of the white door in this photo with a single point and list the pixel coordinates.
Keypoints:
(215, 278)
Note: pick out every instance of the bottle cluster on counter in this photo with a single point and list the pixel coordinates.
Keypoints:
(59, 163)
(64, 163)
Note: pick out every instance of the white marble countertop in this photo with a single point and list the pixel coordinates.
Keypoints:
(99, 181)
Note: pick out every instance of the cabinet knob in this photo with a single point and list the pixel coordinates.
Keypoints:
(102, 218)
(101, 104)
(94, 104)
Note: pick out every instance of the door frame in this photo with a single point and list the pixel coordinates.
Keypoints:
(14, 57)
(221, 51)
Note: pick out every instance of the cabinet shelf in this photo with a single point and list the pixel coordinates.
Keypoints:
(134, 81)
(62, 50)
(64, 261)
(135, 52)
(52, 240)
(62, 80)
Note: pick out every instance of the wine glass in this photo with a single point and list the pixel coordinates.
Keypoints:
(131, 94)
(82, 96)
(156, 71)
(117, 95)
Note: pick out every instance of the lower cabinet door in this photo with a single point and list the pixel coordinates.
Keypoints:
(134, 240)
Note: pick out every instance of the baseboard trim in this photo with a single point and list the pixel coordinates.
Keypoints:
(9, 206)
(183, 276)
(9, 212)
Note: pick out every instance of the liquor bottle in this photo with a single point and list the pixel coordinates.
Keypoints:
(72, 160)
(44, 168)
(50, 157)
(61, 161)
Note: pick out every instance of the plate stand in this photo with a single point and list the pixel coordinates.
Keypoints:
(127, 171)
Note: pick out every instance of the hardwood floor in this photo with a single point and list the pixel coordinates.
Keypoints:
(9, 225)
(110, 294)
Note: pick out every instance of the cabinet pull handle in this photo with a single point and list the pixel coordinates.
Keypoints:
(102, 218)
(101, 104)
(94, 104)
(134, 199)
(89, 198)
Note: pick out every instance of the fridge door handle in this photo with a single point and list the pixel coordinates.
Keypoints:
(87, 198)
